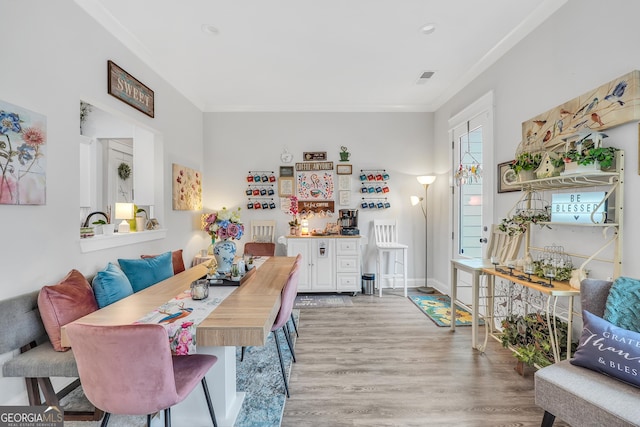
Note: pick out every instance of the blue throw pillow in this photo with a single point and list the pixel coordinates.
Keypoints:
(623, 302)
(608, 349)
(143, 273)
(110, 285)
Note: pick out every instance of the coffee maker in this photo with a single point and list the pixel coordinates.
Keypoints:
(349, 222)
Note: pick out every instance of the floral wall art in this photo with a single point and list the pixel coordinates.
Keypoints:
(315, 185)
(23, 137)
(187, 188)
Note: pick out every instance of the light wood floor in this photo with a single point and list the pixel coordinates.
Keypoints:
(383, 362)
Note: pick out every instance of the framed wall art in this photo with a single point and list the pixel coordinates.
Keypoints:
(286, 186)
(315, 185)
(23, 156)
(503, 187)
(187, 189)
(129, 90)
(286, 171)
(344, 169)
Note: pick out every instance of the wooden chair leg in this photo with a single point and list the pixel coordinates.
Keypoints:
(53, 399)
(547, 419)
(33, 392)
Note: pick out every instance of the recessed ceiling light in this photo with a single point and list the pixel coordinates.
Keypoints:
(428, 28)
(209, 29)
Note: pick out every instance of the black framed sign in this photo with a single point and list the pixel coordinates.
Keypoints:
(129, 90)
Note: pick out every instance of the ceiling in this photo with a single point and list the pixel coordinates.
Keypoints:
(313, 55)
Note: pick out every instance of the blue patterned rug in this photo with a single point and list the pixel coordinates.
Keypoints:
(438, 309)
(259, 376)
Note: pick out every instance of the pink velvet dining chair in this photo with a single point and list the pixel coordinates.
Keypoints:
(116, 379)
(260, 248)
(289, 292)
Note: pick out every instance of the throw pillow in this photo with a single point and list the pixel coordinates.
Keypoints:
(64, 302)
(176, 260)
(622, 304)
(111, 285)
(145, 272)
(608, 349)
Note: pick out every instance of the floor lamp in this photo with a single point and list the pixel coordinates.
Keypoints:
(425, 180)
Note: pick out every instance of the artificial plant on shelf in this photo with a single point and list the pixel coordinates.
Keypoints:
(526, 162)
(605, 156)
(518, 223)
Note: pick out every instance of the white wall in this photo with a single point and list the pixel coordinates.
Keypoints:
(560, 60)
(397, 142)
(59, 56)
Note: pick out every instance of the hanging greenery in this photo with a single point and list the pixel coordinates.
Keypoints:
(124, 171)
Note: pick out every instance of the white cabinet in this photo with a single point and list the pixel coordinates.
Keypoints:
(329, 264)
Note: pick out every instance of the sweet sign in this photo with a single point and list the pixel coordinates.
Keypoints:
(579, 207)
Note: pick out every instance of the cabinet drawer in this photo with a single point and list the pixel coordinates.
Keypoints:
(347, 264)
(348, 282)
(347, 246)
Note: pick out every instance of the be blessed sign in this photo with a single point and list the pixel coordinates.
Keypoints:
(579, 208)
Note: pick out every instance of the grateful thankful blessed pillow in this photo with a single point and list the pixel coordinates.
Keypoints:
(609, 349)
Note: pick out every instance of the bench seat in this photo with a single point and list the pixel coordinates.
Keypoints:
(586, 398)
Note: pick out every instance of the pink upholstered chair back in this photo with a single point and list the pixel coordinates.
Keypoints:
(289, 293)
(260, 248)
(125, 369)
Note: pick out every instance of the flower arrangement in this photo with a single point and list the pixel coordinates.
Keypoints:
(526, 161)
(293, 211)
(223, 225)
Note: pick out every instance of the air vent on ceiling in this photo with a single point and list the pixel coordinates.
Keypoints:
(424, 77)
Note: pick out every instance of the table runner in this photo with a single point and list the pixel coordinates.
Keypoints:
(182, 314)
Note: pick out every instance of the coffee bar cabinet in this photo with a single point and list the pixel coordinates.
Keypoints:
(329, 263)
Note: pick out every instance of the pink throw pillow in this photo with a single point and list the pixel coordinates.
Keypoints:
(64, 302)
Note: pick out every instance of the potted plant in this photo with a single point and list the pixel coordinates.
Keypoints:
(235, 272)
(522, 168)
(344, 154)
(588, 160)
(107, 228)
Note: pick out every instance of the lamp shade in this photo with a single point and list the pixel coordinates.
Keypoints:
(415, 200)
(426, 179)
(124, 211)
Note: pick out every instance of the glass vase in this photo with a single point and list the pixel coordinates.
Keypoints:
(210, 248)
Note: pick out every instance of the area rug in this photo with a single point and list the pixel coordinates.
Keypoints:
(438, 309)
(322, 301)
(259, 376)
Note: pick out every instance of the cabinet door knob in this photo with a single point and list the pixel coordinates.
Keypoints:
(483, 240)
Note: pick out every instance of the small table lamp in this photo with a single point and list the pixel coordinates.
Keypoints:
(124, 211)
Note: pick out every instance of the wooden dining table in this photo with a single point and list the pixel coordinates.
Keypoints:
(244, 318)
